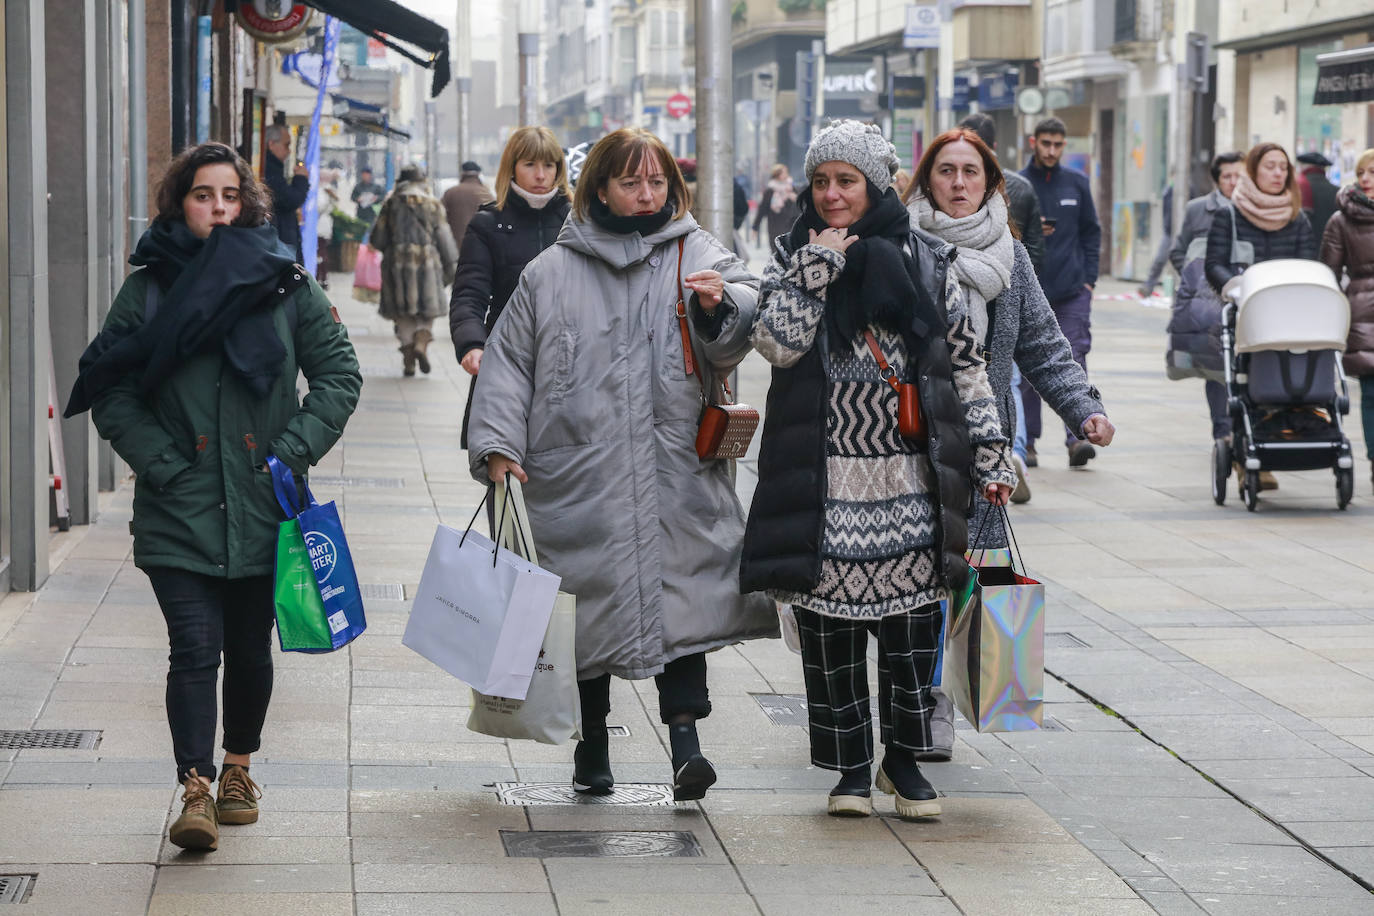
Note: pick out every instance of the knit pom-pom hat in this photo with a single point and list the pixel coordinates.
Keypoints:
(861, 145)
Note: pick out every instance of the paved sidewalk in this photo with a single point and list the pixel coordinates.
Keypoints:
(1210, 744)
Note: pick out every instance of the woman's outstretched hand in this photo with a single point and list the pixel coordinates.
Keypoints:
(999, 494)
(498, 465)
(709, 286)
(832, 238)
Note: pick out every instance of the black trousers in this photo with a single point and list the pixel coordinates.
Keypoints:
(209, 617)
(835, 667)
(681, 691)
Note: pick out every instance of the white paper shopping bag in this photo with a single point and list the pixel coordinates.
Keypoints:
(481, 612)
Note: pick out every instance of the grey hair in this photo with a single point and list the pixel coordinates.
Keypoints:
(277, 132)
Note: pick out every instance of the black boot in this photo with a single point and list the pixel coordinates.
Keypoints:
(900, 776)
(592, 763)
(852, 796)
(692, 773)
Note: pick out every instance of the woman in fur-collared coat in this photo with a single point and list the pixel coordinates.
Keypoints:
(419, 259)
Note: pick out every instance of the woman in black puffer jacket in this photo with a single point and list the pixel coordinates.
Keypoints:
(1265, 220)
(532, 200)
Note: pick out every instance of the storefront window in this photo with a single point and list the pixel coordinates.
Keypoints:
(1319, 126)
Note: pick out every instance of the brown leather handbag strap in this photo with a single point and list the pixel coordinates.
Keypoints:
(888, 374)
(688, 359)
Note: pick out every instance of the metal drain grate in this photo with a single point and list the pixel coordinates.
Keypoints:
(783, 708)
(543, 793)
(618, 731)
(1064, 640)
(321, 480)
(391, 591)
(600, 844)
(49, 739)
(16, 888)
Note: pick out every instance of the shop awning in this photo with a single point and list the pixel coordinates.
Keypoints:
(394, 26)
(1345, 76)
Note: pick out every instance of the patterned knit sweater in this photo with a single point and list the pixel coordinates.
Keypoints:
(879, 554)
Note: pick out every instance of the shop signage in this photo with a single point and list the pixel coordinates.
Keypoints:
(906, 92)
(959, 100)
(679, 105)
(922, 26)
(997, 91)
(1345, 76)
(274, 21)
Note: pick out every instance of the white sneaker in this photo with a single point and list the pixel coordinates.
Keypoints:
(1022, 492)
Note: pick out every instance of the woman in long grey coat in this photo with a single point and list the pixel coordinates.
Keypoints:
(585, 397)
(419, 259)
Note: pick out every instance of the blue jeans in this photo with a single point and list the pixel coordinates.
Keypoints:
(208, 617)
(1075, 320)
(1018, 441)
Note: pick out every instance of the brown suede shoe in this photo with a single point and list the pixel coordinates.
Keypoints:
(238, 796)
(198, 826)
(408, 360)
(422, 341)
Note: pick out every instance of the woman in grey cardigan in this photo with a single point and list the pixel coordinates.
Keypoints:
(958, 194)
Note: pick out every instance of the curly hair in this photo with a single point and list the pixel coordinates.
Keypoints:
(255, 199)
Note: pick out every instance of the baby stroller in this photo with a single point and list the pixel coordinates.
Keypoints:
(1281, 333)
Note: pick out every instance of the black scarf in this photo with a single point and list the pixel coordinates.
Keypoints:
(215, 293)
(878, 285)
(624, 225)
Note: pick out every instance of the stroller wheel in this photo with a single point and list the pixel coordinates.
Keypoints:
(1345, 486)
(1250, 490)
(1221, 470)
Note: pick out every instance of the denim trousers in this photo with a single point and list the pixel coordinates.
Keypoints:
(681, 691)
(208, 618)
(1075, 320)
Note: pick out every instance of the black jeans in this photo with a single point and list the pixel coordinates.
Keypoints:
(208, 617)
(681, 690)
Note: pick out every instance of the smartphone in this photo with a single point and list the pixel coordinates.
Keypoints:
(1047, 221)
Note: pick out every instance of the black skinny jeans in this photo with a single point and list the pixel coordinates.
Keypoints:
(208, 617)
(681, 690)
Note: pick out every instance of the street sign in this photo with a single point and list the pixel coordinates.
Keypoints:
(679, 105)
(922, 26)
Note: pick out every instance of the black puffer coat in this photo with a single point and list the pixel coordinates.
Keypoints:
(497, 246)
(1292, 241)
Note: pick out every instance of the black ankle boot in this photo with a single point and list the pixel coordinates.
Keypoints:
(852, 796)
(592, 763)
(692, 772)
(900, 776)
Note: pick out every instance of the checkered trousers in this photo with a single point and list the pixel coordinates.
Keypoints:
(835, 664)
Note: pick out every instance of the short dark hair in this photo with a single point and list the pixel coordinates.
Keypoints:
(622, 152)
(366, 168)
(1050, 125)
(982, 125)
(1224, 159)
(255, 200)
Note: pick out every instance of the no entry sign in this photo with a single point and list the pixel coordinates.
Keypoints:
(679, 105)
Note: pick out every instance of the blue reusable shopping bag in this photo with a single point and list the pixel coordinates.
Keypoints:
(318, 603)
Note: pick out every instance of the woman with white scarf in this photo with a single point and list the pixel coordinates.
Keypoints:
(958, 195)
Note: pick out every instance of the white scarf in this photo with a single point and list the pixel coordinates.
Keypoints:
(536, 201)
(985, 256)
(783, 194)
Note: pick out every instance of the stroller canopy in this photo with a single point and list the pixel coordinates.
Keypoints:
(1290, 304)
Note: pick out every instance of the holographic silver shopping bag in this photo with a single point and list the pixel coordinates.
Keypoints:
(994, 660)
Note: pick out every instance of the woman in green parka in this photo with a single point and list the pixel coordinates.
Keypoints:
(193, 381)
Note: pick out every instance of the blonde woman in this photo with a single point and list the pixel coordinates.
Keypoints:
(532, 200)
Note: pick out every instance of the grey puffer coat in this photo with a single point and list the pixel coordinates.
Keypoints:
(583, 384)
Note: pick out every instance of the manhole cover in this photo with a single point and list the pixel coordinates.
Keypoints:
(49, 739)
(391, 591)
(322, 480)
(548, 793)
(600, 844)
(1064, 640)
(16, 888)
(783, 708)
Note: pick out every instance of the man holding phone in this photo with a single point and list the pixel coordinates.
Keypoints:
(287, 196)
(1069, 270)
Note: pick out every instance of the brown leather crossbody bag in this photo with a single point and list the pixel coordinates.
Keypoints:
(726, 428)
(909, 421)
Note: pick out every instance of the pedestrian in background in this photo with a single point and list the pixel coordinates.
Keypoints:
(778, 205)
(193, 382)
(419, 260)
(1318, 193)
(1348, 249)
(287, 196)
(584, 395)
(532, 201)
(1166, 241)
(1069, 271)
(326, 200)
(367, 196)
(1195, 322)
(858, 527)
(463, 200)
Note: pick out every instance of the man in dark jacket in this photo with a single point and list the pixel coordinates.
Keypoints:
(463, 200)
(287, 196)
(1022, 204)
(1318, 193)
(1069, 271)
(367, 196)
